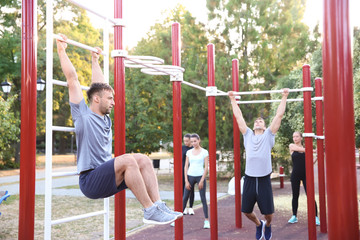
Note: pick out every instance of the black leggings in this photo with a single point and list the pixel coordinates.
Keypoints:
(192, 181)
(192, 195)
(295, 185)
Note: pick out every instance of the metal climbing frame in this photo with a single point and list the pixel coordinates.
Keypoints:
(48, 221)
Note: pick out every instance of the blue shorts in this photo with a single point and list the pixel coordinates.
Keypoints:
(257, 189)
(100, 182)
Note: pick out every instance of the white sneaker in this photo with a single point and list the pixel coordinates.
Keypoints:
(154, 215)
(162, 206)
(185, 211)
(191, 211)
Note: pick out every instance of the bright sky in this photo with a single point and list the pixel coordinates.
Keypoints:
(140, 15)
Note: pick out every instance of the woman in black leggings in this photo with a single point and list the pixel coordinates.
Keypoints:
(198, 158)
(298, 174)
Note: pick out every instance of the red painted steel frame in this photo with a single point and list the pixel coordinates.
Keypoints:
(119, 120)
(212, 143)
(309, 154)
(28, 120)
(177, 130)
(320, 155)
(236, 136)
(339, 122)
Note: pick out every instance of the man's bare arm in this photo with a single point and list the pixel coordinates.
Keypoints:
(75, 93)
(275, 124)
(238, 114)
(97, 74)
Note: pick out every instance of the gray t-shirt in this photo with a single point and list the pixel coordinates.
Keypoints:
(258, 152)
(93, 137)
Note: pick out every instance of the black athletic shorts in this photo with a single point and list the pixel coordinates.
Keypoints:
(100, 182)
(257, 189)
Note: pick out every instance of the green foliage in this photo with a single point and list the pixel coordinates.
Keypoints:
(356, 74)
(270, 41)
(9, 131)
(149, 98)
(293, 119)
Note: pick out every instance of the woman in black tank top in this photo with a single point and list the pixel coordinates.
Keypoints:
(298, 174)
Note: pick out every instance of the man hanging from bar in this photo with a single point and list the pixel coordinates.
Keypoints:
(101, 175)
(257, 184)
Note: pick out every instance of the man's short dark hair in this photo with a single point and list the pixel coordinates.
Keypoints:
(97, 88)
(188, 135)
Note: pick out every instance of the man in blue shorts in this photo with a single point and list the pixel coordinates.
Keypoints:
(101, 175)
(257, 184)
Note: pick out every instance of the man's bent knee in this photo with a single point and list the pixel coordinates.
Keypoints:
(142, 160)
(124, 161)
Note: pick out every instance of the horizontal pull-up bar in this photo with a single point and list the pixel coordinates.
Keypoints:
(64, 84)
(278, 100)
(269, 91)
(77, 44)
(194, 85)
(113, 21)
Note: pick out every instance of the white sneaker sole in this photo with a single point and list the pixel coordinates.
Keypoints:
(156, 222)
(179, 216)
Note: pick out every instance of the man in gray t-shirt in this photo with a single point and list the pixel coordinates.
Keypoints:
(258, 143)
(101, 175)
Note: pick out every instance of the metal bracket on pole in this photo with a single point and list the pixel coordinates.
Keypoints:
(320, 137)
(312, 135)
(119, 53)
(211, 91)
(177, 77)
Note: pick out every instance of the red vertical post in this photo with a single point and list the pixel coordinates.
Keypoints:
(309, 154)
(119, 120)
(28, 120)
(339, 122)
(212, 143)
(177, 129)
(236, 136)
(281, 172)
(320, 155)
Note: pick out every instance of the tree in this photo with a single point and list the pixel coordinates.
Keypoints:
(356, 75)
(78, 28)
(149, 98)
(9, 131)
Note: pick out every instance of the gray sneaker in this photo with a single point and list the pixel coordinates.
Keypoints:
(162, 206)
(155, 215)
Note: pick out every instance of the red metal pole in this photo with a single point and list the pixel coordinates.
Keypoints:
(309, 155)
(281, 172)
(212, 143)
(119, 120)
(28, 120)
(236, 136)
(177, 130)
(320, 155)
(339, 122)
